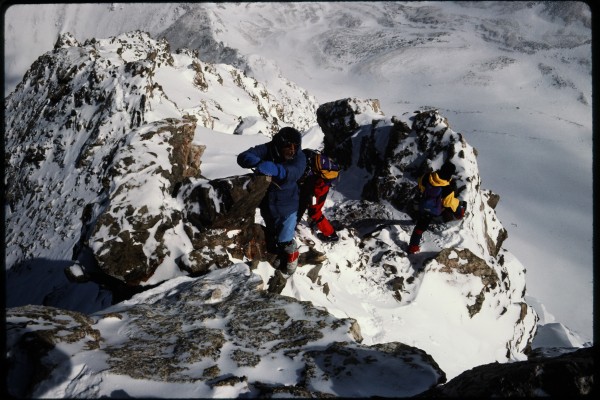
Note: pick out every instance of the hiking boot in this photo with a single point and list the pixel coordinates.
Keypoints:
(289, 270)
(328, 239)
(277, 283)
(413, 249)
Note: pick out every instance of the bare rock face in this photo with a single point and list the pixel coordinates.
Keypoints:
(569, 375)
(219, 222)
(338, 123)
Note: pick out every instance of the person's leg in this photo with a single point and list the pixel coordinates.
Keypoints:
(288, 249)
(305, 200)
(315, 211)
(423, 221)
(270, 230)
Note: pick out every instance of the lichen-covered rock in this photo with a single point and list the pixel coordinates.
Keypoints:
(217, 330)
(36, 340)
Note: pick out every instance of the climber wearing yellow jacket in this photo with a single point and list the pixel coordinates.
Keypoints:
(437, 200)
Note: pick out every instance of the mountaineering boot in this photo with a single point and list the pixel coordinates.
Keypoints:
(415, 239)
(329, 239)
(413, 249)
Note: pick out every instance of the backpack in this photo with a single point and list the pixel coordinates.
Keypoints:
(321, 165)
(431, 199)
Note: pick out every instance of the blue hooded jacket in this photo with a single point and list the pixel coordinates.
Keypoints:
(282, 198)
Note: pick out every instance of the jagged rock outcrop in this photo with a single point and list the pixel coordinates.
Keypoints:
(337, 120)
(127, 237)
(391, 156)
(219, 216)
(99, 141)
(131, 239)
(219, 330)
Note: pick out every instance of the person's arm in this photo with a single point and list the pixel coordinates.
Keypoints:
(449, 201)
(252, 157)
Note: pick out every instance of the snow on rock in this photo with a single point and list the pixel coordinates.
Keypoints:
(128, 235)
(464, 259)
(76, 107)
(108, 128)
(214, 335)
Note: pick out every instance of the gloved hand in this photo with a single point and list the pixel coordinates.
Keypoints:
(460, 210)
(270, 168)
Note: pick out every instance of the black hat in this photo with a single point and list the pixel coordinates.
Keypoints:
(447, 170)
(287, 135)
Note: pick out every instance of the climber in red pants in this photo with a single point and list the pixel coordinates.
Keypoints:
(321, 172)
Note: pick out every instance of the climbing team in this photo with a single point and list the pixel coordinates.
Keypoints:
(300, 183)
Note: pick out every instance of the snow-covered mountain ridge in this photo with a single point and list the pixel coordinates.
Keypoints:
(514, 77)
(109, 148)
(80, 99)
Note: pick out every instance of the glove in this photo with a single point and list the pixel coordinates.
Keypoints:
(460, 210)
(270, 168)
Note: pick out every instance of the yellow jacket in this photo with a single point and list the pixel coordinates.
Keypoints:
(448, 199)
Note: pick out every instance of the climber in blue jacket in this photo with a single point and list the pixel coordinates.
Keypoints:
(282, 160)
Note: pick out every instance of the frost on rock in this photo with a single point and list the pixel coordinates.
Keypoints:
(385, 157)
(98, 142)
(217, 330)
(100, 160)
